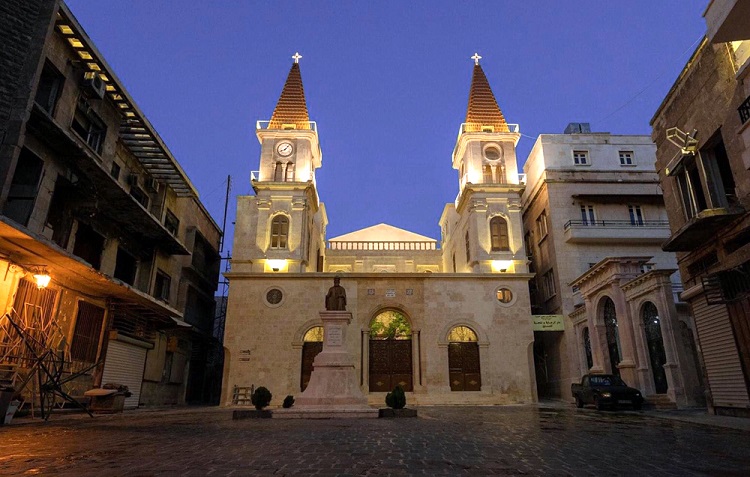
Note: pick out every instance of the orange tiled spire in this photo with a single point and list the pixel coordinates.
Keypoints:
(483, 110)
(291, 108)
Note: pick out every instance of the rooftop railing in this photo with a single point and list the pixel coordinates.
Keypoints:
(380, 246)
(312, 125)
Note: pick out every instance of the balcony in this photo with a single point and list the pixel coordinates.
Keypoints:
(700, 229)
(617, 231)
(726, 20)
(307, 125)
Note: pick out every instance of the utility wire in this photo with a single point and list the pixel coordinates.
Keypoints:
(692, 46)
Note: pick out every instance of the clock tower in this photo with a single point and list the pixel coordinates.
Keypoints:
(281, 228)
(482, 231)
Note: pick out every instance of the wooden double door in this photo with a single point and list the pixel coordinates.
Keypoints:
(390, 365)
(463, 366)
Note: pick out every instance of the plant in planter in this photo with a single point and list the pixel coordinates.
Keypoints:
(261, 398)
(288, 402)
(396, 401)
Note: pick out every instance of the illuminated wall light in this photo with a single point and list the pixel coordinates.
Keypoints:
(103, 77)
(110, 87)
(93, 66)
(502, 266)
(42, 279)
(65, 29)
(75, 42)
(85, 55)
(130, 114)
(116, 96)
(123, 105)
(276, 265)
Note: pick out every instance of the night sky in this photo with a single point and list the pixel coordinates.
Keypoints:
(387, 83)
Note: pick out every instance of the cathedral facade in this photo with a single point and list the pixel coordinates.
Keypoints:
(450, 322)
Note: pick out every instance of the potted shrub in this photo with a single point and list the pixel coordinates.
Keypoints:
(396, 402)
(288, 402)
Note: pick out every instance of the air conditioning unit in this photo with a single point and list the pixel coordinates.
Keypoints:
(133, 179)
(152, 184)
(93, 84)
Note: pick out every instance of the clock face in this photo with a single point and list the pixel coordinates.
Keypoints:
(284, 149)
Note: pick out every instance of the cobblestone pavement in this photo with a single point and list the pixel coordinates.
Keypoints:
(517, 440)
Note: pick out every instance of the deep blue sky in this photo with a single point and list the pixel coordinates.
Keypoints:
(387, 83)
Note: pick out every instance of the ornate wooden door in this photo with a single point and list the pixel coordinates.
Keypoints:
(309, 351)
(463, 366)
(390, 365)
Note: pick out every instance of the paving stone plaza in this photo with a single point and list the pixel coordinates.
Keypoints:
(510, 440)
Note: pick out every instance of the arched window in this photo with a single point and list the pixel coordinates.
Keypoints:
(613, 336)
(289, 172)
(500, 173)
(279, 232)
(499, 234)
(278, 172)
(468, 248)
(463, 360)
(487, 173)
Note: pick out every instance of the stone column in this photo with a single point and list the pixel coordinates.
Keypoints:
(627, 343)
(668, 322)
(595, 329)
(416, 360)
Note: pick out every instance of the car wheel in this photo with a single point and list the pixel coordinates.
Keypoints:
(579, 402)
(599, 404)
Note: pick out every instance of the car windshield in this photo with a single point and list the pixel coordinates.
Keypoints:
(607, 380)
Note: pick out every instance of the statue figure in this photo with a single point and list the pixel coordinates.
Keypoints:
(336, 297)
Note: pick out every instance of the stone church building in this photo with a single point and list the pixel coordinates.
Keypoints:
(449, 322)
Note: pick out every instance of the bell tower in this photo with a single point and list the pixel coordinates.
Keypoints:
(482, 231)
(282, 228)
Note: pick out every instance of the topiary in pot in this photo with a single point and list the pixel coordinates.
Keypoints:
(288, 402)
(261, 398)
(396, 399)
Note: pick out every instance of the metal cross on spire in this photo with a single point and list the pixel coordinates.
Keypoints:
(296, 57)
(476, 58)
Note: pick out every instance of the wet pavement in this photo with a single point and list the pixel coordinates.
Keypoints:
(510, 440)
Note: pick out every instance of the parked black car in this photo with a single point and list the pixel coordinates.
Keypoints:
(605, 391)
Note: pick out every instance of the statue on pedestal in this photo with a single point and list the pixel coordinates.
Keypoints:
(336, 297)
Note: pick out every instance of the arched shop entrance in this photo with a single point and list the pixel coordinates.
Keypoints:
(390, 352)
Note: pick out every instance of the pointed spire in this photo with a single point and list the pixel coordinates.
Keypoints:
(291, 108)
(483, 110)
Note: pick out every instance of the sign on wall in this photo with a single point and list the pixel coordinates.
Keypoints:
(548, 322)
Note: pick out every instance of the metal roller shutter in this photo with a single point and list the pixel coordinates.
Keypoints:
(124, 365)
(720, 356)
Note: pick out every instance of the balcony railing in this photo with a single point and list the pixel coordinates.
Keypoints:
(472, 127)
(616, 224)
(380, 246)
(313, 126)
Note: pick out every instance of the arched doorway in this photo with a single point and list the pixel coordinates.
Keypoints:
(613, 336)
(390, 352)
(655, 345)
(313, 344)
(463, 360)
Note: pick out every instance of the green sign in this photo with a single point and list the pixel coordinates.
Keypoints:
(548, 323)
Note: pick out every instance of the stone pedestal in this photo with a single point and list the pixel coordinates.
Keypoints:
(333, 390)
